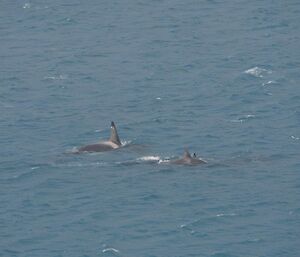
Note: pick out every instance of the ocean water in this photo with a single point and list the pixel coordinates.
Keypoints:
(221, 78)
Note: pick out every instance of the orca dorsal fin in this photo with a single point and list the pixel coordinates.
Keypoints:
(114, 137)
(187, 154)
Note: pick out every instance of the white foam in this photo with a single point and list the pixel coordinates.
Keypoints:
(164, 161)
(149, 158)
(257, 72)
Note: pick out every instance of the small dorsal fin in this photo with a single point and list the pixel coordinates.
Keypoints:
(114, 137)
(186, 154)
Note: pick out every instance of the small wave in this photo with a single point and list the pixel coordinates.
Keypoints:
(249, 116)
(7, 106)
(188, 227)
(295, 138)
(111, 250)
(35, 167)
(27, 174)
(80, 164)
(257, 72)
(185, 227)
(269, 83)
(73, 150)
(251, 241)
(236, 121)
(26, 6)
(42, 7)
(243, 118)
(224, 214)
(59, 77)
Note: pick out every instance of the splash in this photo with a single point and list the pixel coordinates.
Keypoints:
(125, 142)
(258, 72)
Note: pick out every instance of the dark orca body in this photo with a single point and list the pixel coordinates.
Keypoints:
(96, 148)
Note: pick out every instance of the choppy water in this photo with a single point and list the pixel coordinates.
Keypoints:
(219, 77)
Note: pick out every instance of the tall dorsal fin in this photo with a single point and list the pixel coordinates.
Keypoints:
(114, 137)
(186, 154)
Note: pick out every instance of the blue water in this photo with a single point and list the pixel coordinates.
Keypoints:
(219, 77)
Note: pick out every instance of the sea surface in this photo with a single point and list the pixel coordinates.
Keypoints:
(221, 78)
